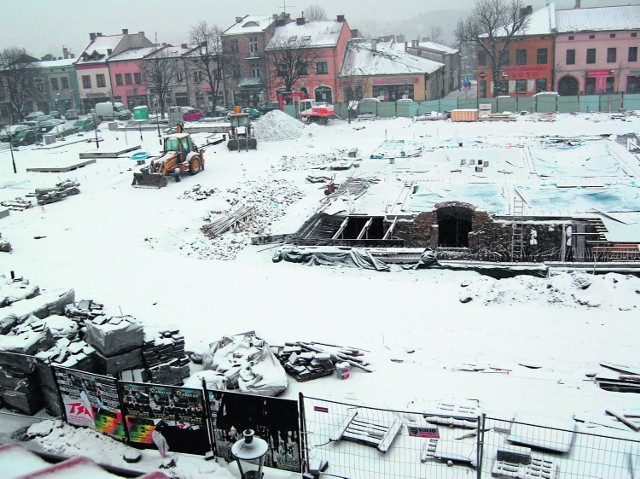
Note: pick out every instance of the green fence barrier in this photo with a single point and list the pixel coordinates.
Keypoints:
(387, 109)
(589, 103)
(631, 102)
(568, 104)
(611, 103)
(290, 110)
(506, 104)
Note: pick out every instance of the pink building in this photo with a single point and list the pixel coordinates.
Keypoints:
(326, 41)
(597, 50)
(126, 72)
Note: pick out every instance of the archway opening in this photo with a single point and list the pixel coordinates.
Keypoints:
(454, 225)
(568, 86)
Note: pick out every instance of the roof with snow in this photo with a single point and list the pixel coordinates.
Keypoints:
(361, 60)
(64, 62)
(318, 33)
(427, 45)
(623, 17)
(99, 49)
(540, 22)
(250, 24)
(133, 54)
(170, 51)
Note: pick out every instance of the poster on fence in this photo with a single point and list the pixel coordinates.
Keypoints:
(274, 420)
(177, 414)
(91, 400)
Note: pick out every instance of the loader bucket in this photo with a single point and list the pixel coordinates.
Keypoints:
(148, 180)
(232, 144)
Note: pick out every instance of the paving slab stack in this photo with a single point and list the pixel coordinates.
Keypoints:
(118, 341)
(165, 358)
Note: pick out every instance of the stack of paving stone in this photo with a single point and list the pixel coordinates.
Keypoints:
(118, 341)
(165, 358)
(63, 189)
(68, 353)
(19, 384)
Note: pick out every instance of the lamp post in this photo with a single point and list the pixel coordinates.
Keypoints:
(158, 121)
(13, 160)
(249, 452)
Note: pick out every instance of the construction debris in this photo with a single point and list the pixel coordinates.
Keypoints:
(17, 204)
(305, 361)
(165, 358)
(230, 221)
(60, 192)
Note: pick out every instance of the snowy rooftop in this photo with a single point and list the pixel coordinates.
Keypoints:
(361, 59)
(540, 22)
(250, 24)
(427, 45)
(65, 62)
(133, 54)
(171, 51)
(321, 33)
(100, 45)
(623, 17)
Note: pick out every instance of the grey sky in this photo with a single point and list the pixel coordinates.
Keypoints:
(45, 26)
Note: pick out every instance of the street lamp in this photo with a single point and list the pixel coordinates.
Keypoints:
(249, 452)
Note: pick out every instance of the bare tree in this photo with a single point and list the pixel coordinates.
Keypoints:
(315, 12)
(491, 27)
(292, 58)
(20, 79)
(436, 34)
(161, 71)
(208, 56)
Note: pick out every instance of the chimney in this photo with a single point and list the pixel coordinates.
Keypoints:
(125, 31)
(184, 45)
(274, 16)
(99, 34)
(238, 19)
(92, 36)
(528, 10)
(374, 45)
(65, 53)
(300, 21)
(400, 39)
(72, 55)
(577, 5)
(280, 22)
(340, 18)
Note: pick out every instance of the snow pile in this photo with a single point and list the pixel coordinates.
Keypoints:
(277, 126)
(610, 291)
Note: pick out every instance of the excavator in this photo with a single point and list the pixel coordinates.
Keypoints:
(241, 135)
(180, 155)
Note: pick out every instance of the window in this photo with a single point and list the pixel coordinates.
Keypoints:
(504, 58)
(501, 87)
(633, 54)
(54, 83)
(590, 86)
(591, 37)
(571, 37)
(633, 84)
(521, 86)
(634, 35)
(542, 56)
(303, 69)
(100, 81)
(571, 57)
(541, 84)
(591, 55)
(521, 57)
(234, 45)
(236, 71)
(197, 76)
(127, 79)
(65, 83)
(255, 72)
(612, 35)
(281, 70)
(253, 44)
(482, 59)
(609, 84)
(322, 67)
(137, 78)
(179, 77)
(611, 55)
(86, 81)
(118, 78)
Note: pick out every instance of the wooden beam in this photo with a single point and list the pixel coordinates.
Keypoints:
(365, 228)
(341, 229)
(391, 228)
(339, 432)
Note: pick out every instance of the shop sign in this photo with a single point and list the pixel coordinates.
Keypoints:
(482, 75)
(396, 80)
(634, 72)
(598, 73)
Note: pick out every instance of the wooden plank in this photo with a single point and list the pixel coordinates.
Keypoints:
(341, 229)
(365, 228)
(387, 235)
(390, 436)
(623, 420)
(369, 440)
(339, 432)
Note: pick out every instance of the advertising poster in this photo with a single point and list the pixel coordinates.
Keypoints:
(91, 400)
(274, 420)
(169, 414)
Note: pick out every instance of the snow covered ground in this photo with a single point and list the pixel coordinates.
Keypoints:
(141, 251)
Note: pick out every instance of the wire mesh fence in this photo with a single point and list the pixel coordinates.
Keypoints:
(456, 441)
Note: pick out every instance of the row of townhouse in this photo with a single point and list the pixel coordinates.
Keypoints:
(577, 51)
(337, 66)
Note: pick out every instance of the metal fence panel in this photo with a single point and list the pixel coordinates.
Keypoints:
(611, 103)
(589, 103)
(631, 101)
(526, 104)
(546, 103)
(426, 107)
(506, 104)
(467, 103)
(568, 104)
(387, 109)
(291, 110)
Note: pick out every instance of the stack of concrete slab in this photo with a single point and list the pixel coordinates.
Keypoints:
(165, 358)
(118, 341)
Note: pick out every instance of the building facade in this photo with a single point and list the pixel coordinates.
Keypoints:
(597, 50)
(60, 84)
(450, 57)
(128, 82)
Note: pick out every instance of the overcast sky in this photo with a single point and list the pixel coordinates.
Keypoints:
(45, 26)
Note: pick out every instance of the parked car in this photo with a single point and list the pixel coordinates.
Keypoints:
(33, 115)
(113, 111)
(55, 114)
(218, 111)
(71, 114)
(30, 123)
(7, 132)
(193, 114)
(26, 137)
(85, 124)
(42, 118)
(47, 125)
(62, 130)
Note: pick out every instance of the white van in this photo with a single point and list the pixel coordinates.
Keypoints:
(112, 111)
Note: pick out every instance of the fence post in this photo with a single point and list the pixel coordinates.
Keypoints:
(304, 451)
(480, 445)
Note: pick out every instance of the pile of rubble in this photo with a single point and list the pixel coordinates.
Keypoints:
(278, 126)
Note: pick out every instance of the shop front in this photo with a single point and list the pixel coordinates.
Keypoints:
(395, 88)
(633, 81)
(599, 82)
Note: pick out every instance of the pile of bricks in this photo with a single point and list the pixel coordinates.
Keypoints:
(165, 358)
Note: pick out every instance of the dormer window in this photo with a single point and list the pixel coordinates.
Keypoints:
(109, 50)
(250, 24)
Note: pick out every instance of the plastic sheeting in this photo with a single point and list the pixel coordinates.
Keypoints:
(248, 364)
(354, 258)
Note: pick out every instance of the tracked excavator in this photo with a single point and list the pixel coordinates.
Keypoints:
(180, 155)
